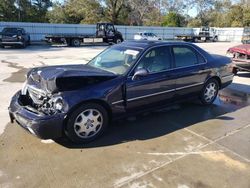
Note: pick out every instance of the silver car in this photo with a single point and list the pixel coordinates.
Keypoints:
(146, 36)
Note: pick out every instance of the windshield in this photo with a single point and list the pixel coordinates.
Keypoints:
(116, 59)
(10, 30)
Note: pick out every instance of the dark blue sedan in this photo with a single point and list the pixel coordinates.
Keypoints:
(81, 100)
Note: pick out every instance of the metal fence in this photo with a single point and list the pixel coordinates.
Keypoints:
(39, 30)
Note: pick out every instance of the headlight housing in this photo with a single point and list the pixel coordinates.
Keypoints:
(58, 103)
(54, 105)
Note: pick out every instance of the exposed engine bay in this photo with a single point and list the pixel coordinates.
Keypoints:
(41, 91)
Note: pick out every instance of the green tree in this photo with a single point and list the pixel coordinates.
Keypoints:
(40, 9)
(246, 15)
(195, 22)
(173, 19)
(113, 9)
(8, 11)
(76, 11)
(56, 14)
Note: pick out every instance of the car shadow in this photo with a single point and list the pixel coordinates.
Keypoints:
(158, 123)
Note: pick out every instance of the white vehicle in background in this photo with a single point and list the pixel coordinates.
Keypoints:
(146, 36)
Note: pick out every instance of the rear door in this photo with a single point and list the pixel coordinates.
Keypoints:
(190, 68)
(157, 86)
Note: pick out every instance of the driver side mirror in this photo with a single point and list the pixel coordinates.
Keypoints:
(140, 73)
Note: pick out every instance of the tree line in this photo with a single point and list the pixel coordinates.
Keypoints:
(172, 13)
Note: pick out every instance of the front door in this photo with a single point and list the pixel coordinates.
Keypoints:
(157, 86)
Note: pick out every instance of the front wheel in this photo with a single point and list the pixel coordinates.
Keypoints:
(87, 123)
(118, 40)
(209, 92)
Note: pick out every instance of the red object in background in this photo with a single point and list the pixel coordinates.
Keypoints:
(243, 48)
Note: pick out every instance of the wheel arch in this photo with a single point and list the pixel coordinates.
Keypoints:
(217, 78)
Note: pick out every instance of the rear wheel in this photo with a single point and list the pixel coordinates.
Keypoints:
(209, 92)
(87, 123)
(76, 42)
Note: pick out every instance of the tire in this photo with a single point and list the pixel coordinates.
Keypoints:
(87, 123)
(215, 39)
(209, 92)
(118, 40)
(75, 42)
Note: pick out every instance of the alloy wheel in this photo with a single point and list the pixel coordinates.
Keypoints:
(88, 123)
(210, 92)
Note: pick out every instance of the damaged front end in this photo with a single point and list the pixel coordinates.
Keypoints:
(42, 105)
(241, 57)
(41, 101)
(45, 85)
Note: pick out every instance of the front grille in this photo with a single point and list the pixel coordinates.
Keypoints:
(36, 95)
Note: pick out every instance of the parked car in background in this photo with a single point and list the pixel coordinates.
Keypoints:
(146, 36)
(241, 57)
(131, 77)
(13, 36)
(246, 36)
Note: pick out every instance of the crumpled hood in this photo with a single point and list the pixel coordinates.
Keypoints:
(66, 77)
(243, 48)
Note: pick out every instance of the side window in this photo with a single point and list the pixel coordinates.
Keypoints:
(201, 59)
(184, 56)
(156, 60)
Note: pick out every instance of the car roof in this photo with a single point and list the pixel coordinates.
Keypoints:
(144, 44)
(17, 28)
(13, 28)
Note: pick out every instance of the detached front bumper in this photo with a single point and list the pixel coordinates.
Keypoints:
(42, 125)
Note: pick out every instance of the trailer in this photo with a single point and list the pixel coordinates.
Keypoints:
(204, 34)
(105, 33)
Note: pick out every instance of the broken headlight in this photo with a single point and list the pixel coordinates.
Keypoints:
(58, 103)
(54, 105)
